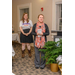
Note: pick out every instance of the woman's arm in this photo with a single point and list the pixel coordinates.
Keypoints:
(21, 28)
(47, 31)
(22, 31)
(30, 31)
(33, 30)
(20, 25)
(30, 27)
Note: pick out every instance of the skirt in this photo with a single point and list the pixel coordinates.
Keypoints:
(26, 39)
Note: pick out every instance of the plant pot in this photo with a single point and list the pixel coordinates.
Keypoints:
(60, 67)
(54, 67)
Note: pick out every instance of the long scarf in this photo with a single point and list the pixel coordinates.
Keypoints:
(40, 41)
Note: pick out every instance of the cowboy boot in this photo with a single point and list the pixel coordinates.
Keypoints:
(23, 53)
(29, 53)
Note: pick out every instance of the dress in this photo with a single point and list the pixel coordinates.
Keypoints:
(26, 28)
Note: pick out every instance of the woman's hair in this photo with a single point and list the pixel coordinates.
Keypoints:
(40, 14)
(23, 18)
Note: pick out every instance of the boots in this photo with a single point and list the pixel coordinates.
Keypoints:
(23, 53)
(29, 53)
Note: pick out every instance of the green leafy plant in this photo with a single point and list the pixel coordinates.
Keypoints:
(52, 51)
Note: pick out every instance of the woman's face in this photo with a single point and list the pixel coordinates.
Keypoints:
(25, 16)
(40, 18)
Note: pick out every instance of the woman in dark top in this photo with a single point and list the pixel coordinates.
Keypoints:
(40, 31)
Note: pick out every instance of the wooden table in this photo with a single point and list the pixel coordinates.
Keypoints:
(15, 37)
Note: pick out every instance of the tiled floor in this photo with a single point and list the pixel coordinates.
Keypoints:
(25, 66)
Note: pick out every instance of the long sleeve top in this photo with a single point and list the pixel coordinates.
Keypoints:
(44, 34)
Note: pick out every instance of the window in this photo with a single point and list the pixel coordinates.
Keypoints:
(58, 16)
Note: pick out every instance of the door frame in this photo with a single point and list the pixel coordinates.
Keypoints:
(28, 5)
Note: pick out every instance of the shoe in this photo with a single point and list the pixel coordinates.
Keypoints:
(23, 53)
(37, 67)
(41, 67)
(29, 53)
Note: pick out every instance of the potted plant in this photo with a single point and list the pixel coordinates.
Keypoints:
(52, 51)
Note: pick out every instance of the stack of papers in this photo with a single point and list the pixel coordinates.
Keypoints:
(39, 31)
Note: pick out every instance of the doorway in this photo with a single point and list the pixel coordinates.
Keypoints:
(25, 10)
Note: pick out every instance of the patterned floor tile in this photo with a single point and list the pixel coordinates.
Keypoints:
(25, 66)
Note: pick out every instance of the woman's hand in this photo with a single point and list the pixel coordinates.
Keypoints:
(37, 33)
(27, 34)
(40, 34)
